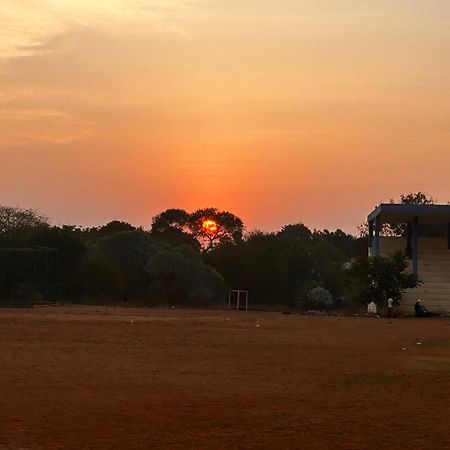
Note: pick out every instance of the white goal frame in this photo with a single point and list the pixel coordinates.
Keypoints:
(241, 297)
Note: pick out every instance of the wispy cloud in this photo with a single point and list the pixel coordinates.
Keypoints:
(26, 26)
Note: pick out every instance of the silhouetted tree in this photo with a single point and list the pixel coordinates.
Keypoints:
(226, 227)
(177, 224)
(418, 198)
(13, 219)
(346, 243)
(114, 227)
(296, 231)
(171, 219)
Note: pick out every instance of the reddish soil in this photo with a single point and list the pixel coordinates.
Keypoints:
(110, 378)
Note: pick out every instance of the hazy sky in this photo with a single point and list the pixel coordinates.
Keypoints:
(278, 110)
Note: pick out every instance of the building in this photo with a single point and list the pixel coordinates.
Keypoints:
(425, 240)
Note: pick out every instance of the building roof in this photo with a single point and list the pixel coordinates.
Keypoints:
(399, 213)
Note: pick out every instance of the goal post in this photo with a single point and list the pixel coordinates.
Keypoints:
(238, 299)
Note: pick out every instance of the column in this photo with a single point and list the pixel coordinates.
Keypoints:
(409, 240)
(448, 236)
(377, 235)
(415, 244)
(370, 238)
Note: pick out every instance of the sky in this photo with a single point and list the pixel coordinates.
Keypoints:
(280, 111)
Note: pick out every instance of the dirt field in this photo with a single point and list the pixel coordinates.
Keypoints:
(108, 378)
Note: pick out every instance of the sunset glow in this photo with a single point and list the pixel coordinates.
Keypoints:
(278, 111)
(210, 226)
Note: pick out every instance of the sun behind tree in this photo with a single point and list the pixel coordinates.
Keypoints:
(210, 226)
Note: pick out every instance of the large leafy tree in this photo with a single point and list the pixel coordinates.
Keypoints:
(378, 278)
(347, 243)
(13, 220)
(171, 226)
(114, 227)
(171, 219)
(212, 227)
(418, 198)
(296, 231)
(208, 226)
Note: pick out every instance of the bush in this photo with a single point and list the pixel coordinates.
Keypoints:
(316, 298)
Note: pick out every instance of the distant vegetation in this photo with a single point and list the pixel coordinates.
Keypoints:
(183, 259)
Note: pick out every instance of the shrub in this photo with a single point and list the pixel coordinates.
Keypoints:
(316, 298)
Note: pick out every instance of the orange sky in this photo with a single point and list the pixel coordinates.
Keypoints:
(279, 111)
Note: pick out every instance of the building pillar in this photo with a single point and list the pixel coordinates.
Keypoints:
(377, 235)
(448, 236)
(415, 244)
(409, 235)
(370, 238)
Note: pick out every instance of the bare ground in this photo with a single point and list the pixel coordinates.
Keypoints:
(111, 378)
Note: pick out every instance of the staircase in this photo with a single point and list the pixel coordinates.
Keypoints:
(434, 271)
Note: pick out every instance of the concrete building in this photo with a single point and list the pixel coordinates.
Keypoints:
(425, 241)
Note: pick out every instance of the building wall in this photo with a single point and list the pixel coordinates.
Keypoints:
(433, 268)
(389, 245)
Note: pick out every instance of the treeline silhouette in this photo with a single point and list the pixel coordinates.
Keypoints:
(183, 259)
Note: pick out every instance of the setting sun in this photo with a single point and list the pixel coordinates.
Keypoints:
(209, 226)
(266, 109)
